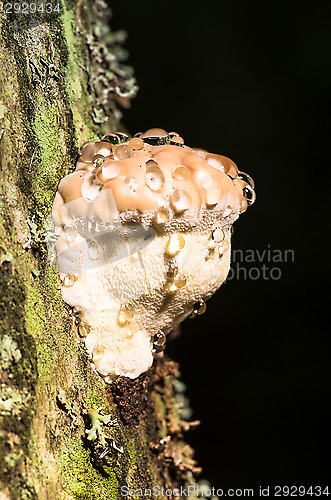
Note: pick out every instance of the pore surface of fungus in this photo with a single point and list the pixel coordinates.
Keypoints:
(144, 228)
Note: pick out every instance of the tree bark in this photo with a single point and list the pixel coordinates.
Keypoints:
(63, 81)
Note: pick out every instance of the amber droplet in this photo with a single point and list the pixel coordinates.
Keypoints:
(175, 244)
(182, 173)
(180, 200)
(154, 176)
(126, 313)
(177, 140)
(136, 143)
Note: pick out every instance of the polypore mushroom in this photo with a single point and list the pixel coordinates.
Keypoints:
(144, 225)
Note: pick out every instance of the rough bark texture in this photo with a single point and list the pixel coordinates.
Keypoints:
(62, 81)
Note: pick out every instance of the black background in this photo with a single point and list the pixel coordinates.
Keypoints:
(251, 81)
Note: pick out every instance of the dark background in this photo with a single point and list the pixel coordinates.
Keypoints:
(251, 81)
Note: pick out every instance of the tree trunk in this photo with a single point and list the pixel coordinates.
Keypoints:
(62, 84)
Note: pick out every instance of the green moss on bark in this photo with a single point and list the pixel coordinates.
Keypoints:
(54, 71)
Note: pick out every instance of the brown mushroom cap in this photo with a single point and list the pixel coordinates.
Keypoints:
(168, 176)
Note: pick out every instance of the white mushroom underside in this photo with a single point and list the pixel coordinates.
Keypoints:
(141, 279)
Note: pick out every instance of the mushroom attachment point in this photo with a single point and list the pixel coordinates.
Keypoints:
(143, 240)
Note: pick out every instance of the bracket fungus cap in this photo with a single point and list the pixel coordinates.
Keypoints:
(144, 228)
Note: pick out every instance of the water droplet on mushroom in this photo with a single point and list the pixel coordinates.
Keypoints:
(155, 132)
(123, 152)
(173, 134)
(155, 137)
(154, 176)
(243, 206)
(111, 169)
(122, 136)
(177, 140)
(133, 328)
(199, 307)
(70, 232)
(159, 341)
(91, 187)
(246, 178)
(136, 143)
(224, 247)
(126, 313)
(94, 251)
(98, 352)
(111, 138)
(131, 183)
(223, 164)
(218, 235)
(98, 160)
(83, 331)
(227, 211)
(88, 152)
(178, 282)
(69, 280)
(180, 200)
(104, 152)
(200, 152)
(211, 245)
(175, 244)
(182, 173)
(162, 215)
(249, 194)
(213, 190)
(101, 148)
